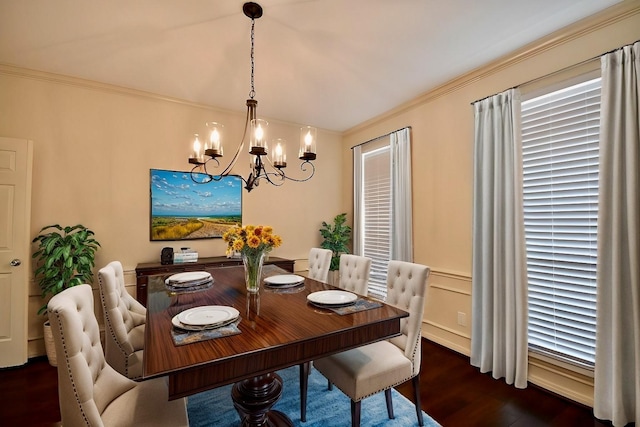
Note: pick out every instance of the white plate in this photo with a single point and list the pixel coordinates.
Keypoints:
(189, 276)
(332, 297)
(208, 315)
(187, 285)
(178, 324)
(284, 279)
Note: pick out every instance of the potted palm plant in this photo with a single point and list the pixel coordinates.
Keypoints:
(336, 239)
(65, 257)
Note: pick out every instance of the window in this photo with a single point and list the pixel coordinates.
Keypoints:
(376, 215)
(560, 136)
(383, 223)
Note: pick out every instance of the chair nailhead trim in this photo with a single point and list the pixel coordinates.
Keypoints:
(66, 361)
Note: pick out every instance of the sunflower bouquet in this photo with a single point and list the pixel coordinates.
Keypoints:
(251, 239)
(253, 242)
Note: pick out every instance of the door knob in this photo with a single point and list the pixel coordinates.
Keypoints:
(15, 262)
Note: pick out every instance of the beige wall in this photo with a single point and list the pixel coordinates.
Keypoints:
(442, 152)
(93, 148)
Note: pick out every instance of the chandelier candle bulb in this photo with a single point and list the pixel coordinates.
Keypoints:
(308, 143)
(214, 148)
(196, 155)
(279, 153)
(259, 136)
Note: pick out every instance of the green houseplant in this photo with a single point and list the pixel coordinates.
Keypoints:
(336, 239)
(65, 258)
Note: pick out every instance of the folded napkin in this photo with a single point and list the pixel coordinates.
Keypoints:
(182, 337)
(186, 289)
(360, 305)
(285, 289)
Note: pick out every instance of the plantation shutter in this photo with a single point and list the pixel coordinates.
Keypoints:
(376, 171)
(560, 135)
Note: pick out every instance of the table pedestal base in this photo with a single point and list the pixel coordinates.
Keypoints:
(253, 399)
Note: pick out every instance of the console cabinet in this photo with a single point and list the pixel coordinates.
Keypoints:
(145, 270)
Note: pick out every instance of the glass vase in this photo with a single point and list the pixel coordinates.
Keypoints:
(253, 271)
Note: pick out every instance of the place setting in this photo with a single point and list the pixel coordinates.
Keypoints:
(190, 281)
(341, 302)
(284, 283)
(204, 322)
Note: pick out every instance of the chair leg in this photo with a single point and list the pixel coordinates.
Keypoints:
(355, 413)
(329, 385)
(304, 383)
(387, 397)
(416, 398)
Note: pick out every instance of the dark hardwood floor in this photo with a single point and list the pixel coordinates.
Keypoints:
(453, 392)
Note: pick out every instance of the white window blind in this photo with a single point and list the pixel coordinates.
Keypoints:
(376, 174)
(560, 135)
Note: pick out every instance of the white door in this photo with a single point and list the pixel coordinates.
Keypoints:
(15, 210)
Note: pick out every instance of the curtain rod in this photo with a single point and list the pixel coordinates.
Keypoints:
(381, 136)
(562, 70)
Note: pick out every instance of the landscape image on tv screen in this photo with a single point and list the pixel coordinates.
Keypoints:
(184, 210)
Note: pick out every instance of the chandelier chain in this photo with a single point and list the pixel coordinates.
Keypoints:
(252, 92)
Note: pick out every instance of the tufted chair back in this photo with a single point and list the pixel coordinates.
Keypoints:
(90, 391)
(354, 273)
(319, 263)
(124, 320)
(406, 288)
(86, 383)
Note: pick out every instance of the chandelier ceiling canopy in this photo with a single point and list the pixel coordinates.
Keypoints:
(264, 167)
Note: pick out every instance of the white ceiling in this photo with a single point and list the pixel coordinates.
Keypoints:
(331, 63)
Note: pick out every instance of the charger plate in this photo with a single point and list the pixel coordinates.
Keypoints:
(284, 280)
(332, 298)
(188, 279)
(207, 315)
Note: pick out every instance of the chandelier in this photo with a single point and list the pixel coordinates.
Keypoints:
(208, 147)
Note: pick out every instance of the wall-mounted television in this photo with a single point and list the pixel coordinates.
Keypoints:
(184, 210)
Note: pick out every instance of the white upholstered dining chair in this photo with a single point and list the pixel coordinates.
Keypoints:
(366, 370)
(124, 320)
(354, 273)
(319, 263)
(91, 392)
(354, 277)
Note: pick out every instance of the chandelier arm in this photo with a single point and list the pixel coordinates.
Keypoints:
(267, 176)
(276, 173)
(210, 177)
(194, 173)
(304, 169)
(231, 164)
(279, 173)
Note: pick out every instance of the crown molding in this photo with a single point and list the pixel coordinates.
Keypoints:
(591, 24)
(44, 76)
(48, 77)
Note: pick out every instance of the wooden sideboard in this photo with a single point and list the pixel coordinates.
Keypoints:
(145, 270)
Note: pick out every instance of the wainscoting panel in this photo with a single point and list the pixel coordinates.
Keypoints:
(447, 313)
(562, 381)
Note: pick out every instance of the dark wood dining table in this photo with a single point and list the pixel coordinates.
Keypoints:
(278, 328)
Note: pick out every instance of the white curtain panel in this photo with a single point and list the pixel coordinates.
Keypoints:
(402, 233)
(499, 282)
(617, 371)
(357, 200)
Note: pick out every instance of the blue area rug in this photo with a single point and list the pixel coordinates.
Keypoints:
(325, 408)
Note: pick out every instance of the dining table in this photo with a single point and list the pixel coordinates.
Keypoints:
(278, 327)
